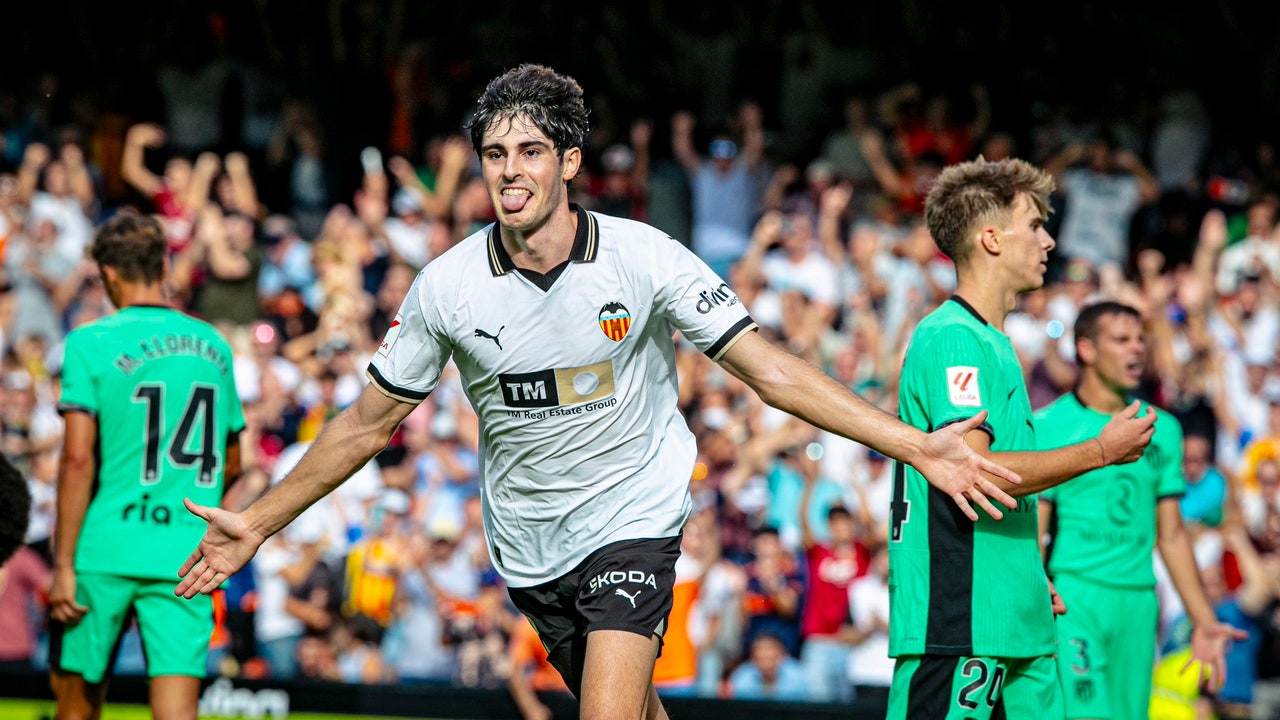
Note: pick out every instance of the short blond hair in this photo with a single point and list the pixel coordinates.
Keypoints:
(976, 191)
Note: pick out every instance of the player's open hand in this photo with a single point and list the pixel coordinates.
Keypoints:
(953, 467)
(1126, 435)
(228, 545)
(1209, 645)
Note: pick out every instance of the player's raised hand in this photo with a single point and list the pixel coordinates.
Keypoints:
(228, 545)
(953, 467)
(1125, 437)
(1209, 645)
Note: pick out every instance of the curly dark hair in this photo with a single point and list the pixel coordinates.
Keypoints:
(553, 102)
(133, 244)
(15, 509)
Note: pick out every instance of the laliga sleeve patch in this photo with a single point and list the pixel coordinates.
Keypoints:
(962, 386)
(393, 334)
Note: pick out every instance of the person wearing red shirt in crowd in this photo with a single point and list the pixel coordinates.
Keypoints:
(180, 194)
(824, 617)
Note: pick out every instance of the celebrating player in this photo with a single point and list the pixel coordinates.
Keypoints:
(561, 323)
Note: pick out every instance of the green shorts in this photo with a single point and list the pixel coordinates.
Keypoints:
(974, 688)
(175, 632)
(1106, 649)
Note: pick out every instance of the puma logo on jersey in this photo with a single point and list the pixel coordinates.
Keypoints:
(482, 334)
(628, 596)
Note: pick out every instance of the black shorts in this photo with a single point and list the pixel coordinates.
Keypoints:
(624, 585)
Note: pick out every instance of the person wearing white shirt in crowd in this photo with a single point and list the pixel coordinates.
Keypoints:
(59, 190)
(870, 667)
(1258, 253)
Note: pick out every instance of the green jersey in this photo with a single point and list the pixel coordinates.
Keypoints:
(1106, 518)
(958, 587)
(162, 389)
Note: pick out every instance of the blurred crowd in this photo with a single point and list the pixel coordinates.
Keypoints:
(782, 585)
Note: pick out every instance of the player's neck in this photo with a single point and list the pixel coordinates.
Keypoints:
(989, 300)
(1097, 395)
(131, 294)
(546, 246)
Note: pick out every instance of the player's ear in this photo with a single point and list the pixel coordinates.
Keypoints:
(571, 163)
(1086, 351)
(110, 276)
(989, 239)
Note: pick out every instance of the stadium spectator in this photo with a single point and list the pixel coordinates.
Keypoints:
(726, 187)
(831, 565)
(769, 672)
(774, 590)
(1103, 185)
(1206, 491)
(870, 669)
(531, 673)
(24, 590)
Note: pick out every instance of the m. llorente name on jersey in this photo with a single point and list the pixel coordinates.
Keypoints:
(164, 346)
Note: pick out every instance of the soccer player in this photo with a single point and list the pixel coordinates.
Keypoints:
(561, 323)
(1108, 522)
(971, 619)
(152, 417)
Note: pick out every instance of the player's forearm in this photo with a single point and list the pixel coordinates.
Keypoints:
(134, 170)
(828, 405)
(1180, 560)
(75, 483)
(343, 447)
(1045, 469)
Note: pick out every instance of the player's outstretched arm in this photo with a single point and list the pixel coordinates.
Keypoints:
(348, 442)
(1209, 637)
(943, 457)
(1123, 440)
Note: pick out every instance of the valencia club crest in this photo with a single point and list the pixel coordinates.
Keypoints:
(615, 321)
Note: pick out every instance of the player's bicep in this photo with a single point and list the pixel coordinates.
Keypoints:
(1168, 518)
(79, 440)
(699, 303)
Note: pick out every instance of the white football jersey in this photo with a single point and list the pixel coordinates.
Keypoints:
(575, 384)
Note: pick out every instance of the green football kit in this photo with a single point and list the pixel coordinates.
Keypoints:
(971, 622)
(161, 387)
(1101, 562)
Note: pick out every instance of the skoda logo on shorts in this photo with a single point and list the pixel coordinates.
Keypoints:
(615, 321)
